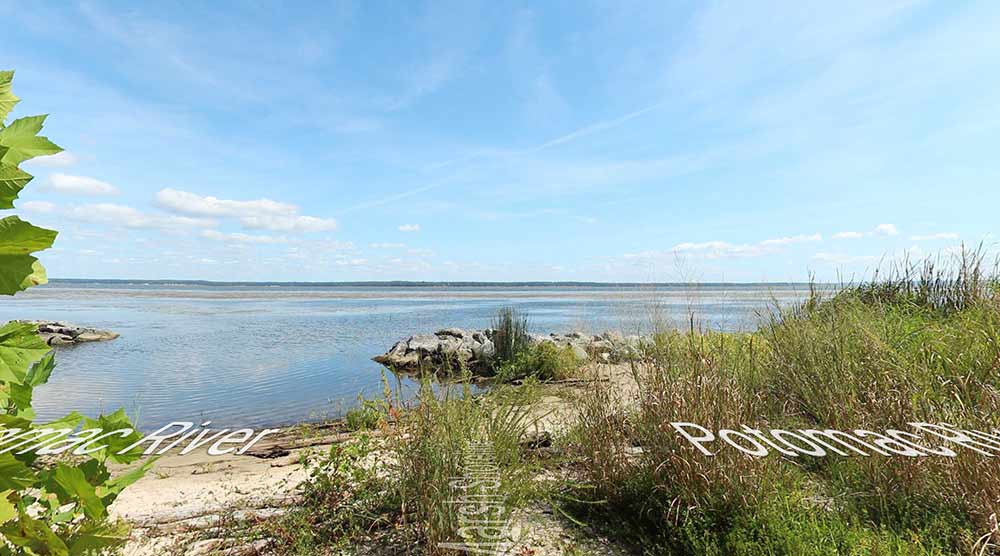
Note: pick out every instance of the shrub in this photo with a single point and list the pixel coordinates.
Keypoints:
(343, 499)
(367, 416)
(544, 361)
(875, 356)
(429, 449)
(510, 336)
(46, 507)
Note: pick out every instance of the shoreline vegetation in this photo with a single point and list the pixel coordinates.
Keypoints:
(585, 459)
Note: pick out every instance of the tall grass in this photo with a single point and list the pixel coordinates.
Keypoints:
(922, 344)
(428, 450)
(945, 286)
(510, 336)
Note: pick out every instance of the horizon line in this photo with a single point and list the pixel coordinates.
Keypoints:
(423, 282)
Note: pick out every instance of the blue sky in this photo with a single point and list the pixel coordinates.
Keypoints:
(609, 141)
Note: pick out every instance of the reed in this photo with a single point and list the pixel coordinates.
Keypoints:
(921, 343)
(510, 336)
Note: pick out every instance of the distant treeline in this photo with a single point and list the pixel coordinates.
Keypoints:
(419, 284)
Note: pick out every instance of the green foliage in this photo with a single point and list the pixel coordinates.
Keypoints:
(46, 507)
(367, 416)
(343, 500)
(874, 357)
(19, 141)
(510, 336)
(7, 97)
(544, 361)
(429, 446)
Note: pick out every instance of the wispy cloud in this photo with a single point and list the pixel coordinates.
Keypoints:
(848, 235)
(78, 185)
(839, 259)
(192, 204)
(725, 249)
(58, 160)
(790, 240)
(242, 238)
(289, 223)
(409, 227)
(884, 230)
(259, 214)
(38, 206)
(130, 217)
(935, 237)
(596, 127)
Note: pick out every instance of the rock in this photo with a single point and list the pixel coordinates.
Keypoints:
(453, 332)
(451, 349)
(579, 352)
(61, 333)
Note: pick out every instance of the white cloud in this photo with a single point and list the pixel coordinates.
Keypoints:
(78, 185)
(885, 230)
(790, 240)
(184, 202)
(409, 227)
(387, 245)
(719, 249)
(844, 259)
(242, 238)
(122, 215)
(848, 235)
(352, 262)
(58, 160)
(935, 237)
(37, 206)
(725, 249)
(289, 223)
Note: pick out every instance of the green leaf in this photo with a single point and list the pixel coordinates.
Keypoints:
(41, 371)
(69, 421)
(14, 474)
(35, 536)
(21, 394)
(18, 269)
(75, 485)
(97, 538)
(20, 347)
(7, 510)
(116, 421)
(12, 181)
(114, 487)
(18, 237)
(7, 98)
(23, 142)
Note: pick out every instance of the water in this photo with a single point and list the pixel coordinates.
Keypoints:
(270, 354)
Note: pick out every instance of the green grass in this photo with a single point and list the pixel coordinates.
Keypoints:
(544, 361)
(510, 336)
(369, 415)
(918, 345)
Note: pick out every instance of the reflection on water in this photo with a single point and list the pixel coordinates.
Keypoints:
(256, 355)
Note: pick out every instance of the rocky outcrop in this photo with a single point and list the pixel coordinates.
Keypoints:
(456, 348)
(447, 349)
(61, 333)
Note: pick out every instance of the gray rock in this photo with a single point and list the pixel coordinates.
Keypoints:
(579, 352)
(62, 334)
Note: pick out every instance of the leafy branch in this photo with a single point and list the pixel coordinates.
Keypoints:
(58, 506)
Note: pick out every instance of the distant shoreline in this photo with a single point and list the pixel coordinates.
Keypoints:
(424, 284)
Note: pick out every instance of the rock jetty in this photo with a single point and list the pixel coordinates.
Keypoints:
(61, 333)
(456, 348)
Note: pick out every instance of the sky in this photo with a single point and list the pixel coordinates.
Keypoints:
(588, 141)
